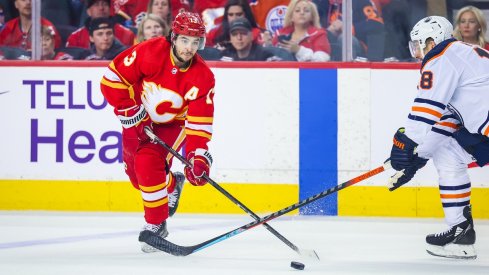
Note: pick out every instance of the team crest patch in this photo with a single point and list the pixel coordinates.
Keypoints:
(275, 18)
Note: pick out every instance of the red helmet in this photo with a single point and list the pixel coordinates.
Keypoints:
(188, 23)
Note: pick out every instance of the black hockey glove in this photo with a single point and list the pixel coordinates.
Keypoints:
(404, 159)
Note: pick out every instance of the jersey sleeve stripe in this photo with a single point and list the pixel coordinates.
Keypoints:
(114, 70)
(430, 102)
(427, 111)
(422, 119)
(441, 132)
(199, 127)
(446, 117)
(111, 76)
(485, 125)
(190, 132)
(198, 119)
(119, 85)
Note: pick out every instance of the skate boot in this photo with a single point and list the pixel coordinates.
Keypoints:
(159, 230)
(174, 197)
(457, 242)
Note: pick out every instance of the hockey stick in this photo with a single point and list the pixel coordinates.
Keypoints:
(178, 250)
(305, 252)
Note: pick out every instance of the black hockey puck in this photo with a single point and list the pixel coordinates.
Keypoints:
(297, 265)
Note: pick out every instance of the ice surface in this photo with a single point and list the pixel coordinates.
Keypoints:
(106, 243)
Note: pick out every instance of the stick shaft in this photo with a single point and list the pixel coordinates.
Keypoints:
(223, 191)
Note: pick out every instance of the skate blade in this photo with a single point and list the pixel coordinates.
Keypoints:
(453, 251)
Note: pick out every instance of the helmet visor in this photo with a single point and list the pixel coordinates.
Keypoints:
(415, 49)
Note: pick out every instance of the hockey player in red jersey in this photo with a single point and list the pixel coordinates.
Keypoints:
(448, 123)
(164, 84)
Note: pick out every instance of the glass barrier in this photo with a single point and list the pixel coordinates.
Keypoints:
(278, 30)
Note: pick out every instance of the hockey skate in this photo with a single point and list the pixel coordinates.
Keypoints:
(174, 197)
(159, 230)
(457, 242)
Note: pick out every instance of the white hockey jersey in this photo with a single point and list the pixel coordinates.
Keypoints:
(453, 91)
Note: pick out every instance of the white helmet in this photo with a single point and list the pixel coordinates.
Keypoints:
(436, 27)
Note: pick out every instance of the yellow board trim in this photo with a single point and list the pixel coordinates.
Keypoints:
(403, 202)
(122, 197)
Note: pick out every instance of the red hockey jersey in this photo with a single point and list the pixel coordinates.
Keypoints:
(81, 37)
(137, 9)
(12, 36)
(171, 94)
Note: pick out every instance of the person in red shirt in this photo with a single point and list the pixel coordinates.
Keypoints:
(162, 83)
(17, 32)
(302, 34)
(219, 36)
(97, 9)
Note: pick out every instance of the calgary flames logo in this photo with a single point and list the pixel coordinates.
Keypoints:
(162, 104)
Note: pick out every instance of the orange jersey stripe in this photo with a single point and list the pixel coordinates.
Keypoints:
(427, 110)
(454, 196)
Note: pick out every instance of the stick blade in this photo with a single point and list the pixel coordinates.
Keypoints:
(311, 254)
(164, 245)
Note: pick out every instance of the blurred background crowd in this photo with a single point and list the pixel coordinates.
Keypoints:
(237, 30)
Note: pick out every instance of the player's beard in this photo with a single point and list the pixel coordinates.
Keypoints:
(185, 64)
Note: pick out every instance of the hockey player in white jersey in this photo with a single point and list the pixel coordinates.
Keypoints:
(448, 123)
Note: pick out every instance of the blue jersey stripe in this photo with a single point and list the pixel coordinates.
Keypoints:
(450, 116)
(483, 125)
(430, 102)
(422, 119)
(457, 187)
(455, 204)
(441, 132)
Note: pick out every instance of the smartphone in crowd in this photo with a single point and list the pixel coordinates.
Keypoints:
(284, 37)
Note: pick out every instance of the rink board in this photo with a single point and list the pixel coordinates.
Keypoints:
(282, 133)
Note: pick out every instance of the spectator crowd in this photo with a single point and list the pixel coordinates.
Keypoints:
(237, 30)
